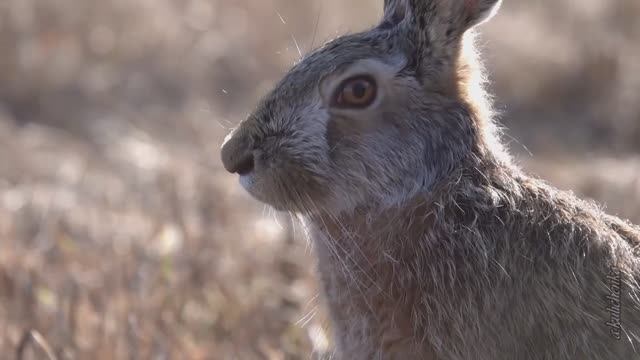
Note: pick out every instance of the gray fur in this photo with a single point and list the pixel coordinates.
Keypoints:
(431, 243)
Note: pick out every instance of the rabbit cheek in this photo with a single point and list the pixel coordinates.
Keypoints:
(343, 131)
(336, 131)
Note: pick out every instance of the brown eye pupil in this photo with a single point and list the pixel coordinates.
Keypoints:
(359, 89)
(355, 92)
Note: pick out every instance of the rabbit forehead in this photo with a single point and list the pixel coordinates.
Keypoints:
(300, 85)
(336, 55)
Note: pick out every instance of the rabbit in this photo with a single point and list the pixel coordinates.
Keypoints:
(431, 243)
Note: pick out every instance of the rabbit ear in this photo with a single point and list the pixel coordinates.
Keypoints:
(447, 17)
(479, 11)
(395, 11)
(430, 31)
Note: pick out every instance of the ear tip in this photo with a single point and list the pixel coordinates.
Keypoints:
(483, 9)
(494, 5)
(476, 11)
(482, 5)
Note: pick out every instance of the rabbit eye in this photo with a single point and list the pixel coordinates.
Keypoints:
(356, 92)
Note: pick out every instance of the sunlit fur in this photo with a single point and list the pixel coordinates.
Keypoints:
(431, 243)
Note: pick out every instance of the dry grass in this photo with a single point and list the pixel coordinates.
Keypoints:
(121, 236)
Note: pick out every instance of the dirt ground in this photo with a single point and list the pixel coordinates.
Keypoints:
(121, 237)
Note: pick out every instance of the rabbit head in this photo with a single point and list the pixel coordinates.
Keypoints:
(369, 118)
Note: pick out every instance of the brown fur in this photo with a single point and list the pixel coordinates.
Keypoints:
(494, 265)
(431, 243)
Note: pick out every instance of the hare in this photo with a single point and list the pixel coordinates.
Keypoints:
(431, 243)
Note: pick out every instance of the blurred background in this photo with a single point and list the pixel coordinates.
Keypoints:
(121, 237)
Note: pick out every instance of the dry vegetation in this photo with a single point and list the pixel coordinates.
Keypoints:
(120, 235)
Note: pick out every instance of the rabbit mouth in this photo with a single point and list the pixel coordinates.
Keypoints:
(277, 175)
(262, 188)
(247, 181)
(255, 186)
(284, 189)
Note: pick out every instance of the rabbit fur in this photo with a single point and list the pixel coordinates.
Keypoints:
(431, 242)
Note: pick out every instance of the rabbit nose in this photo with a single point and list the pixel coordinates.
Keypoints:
(237, 155)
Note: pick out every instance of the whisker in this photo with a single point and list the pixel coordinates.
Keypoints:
(281, 18)
(334, 245)
(297, 45)
(315, 29)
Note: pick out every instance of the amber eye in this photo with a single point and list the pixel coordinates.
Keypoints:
(356, 92)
